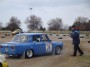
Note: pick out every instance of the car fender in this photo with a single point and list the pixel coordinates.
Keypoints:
(29, 48)
(55, 44)
(25, 47)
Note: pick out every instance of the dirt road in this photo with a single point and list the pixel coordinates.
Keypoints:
(63, 60)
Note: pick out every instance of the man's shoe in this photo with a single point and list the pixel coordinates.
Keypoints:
(81, 54)
(73, 55)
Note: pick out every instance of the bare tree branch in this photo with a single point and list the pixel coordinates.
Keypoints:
(33, 22)
(55, 24)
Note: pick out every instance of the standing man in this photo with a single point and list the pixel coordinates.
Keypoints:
(76, 41)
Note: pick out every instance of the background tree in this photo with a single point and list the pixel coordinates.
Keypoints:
(65, 27)
(33, 22)
(70, 27)
(55, 24)
(81, 22)
(88, 26)
(1, 25)
(13, 24)
(42, 28)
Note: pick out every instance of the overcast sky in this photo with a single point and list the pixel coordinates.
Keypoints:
(68, 10)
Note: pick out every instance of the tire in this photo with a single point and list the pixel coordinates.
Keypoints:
(28, 53)
(0, 65)
(57, 50)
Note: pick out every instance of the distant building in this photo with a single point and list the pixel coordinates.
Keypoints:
(5, 32)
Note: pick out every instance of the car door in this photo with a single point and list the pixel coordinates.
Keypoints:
(39, 46)
(47, 42)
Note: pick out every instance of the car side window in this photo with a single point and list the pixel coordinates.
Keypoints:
(44, 38)
(36, 38)
(29, 38)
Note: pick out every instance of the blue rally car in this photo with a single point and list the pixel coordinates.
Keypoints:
(30, 44)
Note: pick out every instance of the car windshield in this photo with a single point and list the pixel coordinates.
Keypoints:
(20, 38)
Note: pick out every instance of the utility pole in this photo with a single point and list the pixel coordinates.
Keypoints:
(31, 15)
(30, 10)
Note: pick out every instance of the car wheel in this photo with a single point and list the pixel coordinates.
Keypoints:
(28, 53)
(0, 65)
(57, 50)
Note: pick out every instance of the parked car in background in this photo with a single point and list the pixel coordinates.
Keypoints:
(3, 62)
(17, 31)
(30, 44)
(2, 36)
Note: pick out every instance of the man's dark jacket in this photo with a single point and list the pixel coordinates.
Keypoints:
(75, 37)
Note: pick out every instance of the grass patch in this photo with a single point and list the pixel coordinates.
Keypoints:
(87, 57)
(84, 61)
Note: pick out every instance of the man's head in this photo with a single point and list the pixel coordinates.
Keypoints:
(74, 28)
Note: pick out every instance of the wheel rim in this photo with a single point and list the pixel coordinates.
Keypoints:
(29, 53)
(58, 50)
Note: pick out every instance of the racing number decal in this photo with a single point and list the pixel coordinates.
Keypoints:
(48, 47)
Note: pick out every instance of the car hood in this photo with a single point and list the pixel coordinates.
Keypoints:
(10, 43)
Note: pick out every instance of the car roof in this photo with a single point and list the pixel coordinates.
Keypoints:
(31, 34)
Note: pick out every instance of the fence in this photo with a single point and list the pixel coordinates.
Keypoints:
(5, 32)
(61, 32)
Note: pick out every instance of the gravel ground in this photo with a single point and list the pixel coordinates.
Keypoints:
(63, 60)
